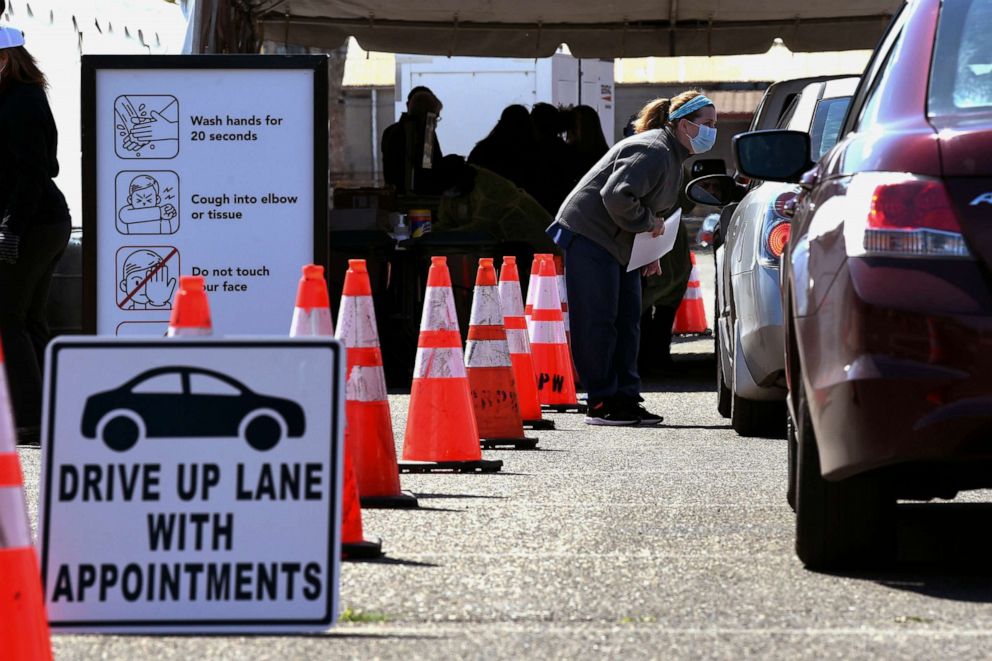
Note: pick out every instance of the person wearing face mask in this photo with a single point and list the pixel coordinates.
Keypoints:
(34, 225)
(631, 189)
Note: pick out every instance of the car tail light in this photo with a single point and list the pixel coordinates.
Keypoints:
(901, 215)
(778, 238)
(777, 228)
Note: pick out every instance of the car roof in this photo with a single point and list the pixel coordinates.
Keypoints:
(833, 89)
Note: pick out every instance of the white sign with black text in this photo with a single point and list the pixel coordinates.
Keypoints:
(202, 166)
(192, 485)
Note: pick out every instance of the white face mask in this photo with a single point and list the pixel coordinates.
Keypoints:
(704, 140)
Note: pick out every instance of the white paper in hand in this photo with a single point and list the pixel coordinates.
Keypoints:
(648, 248)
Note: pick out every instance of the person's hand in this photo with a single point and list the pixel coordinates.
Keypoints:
(654, 268)
(10, 247)
(159, 287)
(658, 228)
(154, 128)
(168, 212)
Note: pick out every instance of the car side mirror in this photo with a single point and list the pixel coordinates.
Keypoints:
(773, 155)
(713, 190)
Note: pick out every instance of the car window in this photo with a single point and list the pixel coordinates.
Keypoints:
(870, 78)
(790, 111)
(961, 73)
(201, 384)
(170, 383)
(869, 113)
(827, 121)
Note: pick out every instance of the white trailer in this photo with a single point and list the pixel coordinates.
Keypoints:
(475, 90)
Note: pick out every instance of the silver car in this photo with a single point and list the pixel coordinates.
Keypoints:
(750, 356)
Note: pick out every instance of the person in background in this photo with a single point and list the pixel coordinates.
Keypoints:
(585, 140)
(479, 200)
(633, 188)
(662, 295)
(410, 148)
(553, 184)
(34, 225)
(510, 148)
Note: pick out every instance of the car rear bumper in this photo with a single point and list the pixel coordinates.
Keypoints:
(898, 370)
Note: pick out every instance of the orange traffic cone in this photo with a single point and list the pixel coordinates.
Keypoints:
(312, 318)
(368, 435)
(535, 266)
(190, 310)
(23, 623)
(441, 426)
(490, 372)
(563, 293)
(555, 384)
(516, 337)
(690, 318)
(312, 314)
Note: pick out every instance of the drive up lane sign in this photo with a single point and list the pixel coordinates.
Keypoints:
(192, 485)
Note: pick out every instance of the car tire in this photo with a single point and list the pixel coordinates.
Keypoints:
(750, 418)
(263, 431)
(120, 432)
(723, 402)
(845, 524)
(793, 451)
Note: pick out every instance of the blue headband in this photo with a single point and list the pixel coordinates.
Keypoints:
(690, 107)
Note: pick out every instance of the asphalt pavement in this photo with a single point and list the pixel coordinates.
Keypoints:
(674, 542)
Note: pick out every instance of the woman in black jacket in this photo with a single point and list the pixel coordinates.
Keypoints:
(34, 224)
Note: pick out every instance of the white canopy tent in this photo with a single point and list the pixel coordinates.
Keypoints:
(536, 28)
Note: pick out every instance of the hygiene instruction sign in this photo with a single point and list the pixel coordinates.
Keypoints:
(201, 165)
(192, 485)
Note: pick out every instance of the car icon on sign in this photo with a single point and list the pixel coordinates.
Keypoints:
(185, 402)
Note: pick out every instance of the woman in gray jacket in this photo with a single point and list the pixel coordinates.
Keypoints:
(632, 189)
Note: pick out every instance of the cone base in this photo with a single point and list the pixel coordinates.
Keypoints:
(364, 550)
(538, 425)
(481, 466)
(404, 500)
(522, 443)
(703, 333)
(565, 408)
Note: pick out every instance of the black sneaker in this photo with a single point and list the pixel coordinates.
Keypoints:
(607, 414)
(635, 409)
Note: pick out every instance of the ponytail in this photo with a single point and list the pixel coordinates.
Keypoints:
(655, 114)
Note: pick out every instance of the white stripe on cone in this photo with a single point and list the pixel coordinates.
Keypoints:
(14, 529)
(366, 384)
(188, 332)
(356, 325)
(517, 341)
(486, 310)
(439, 310)
(563, 294)
(509, 299)
(547, 332)
(315, 322)
(693, 293)
(439, 364)
(487, 353)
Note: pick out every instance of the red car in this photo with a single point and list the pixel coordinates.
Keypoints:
(887, 286)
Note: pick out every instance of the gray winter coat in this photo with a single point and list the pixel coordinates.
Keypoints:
(637, 180)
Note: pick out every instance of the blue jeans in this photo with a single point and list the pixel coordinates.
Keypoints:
(604, 302)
